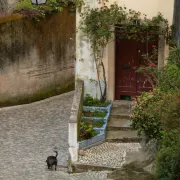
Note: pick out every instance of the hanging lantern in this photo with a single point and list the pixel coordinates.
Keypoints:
(38, 2)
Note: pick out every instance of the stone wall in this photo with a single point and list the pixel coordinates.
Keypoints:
(35, 55)
(3, 6)
(7, 5)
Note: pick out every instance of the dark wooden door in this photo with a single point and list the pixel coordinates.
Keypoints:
(128, 59)
(126, 62)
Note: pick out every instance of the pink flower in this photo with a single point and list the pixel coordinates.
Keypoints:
(153, 46)
(152, 65)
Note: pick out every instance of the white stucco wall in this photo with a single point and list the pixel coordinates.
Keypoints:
(149, 7)
(85, 67)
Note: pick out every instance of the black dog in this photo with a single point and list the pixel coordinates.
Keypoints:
(52, 160)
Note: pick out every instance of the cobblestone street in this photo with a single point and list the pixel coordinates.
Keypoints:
(29, 133)
(108, 154)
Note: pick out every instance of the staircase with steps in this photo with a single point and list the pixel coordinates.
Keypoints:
(118, 128)
(122, 142)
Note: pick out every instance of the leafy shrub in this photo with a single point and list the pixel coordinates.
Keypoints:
(97, 123)
(174, 56)
(25, 4)
(90, 101)
(165, 79)
(87, 131)
(146, 114)
(168, 157)
(170, 111)
(95, 113)
(36, 12)
(158, 110)
(169, 78)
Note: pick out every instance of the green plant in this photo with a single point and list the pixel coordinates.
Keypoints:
(24, 4)
(169, 78)
(90, 101)
(97, 123)
(165, 79)
(168, 157)
(174, 56)
(170, 111)
(86, 131)
(146, 114)
(37, 12)
(95, 113)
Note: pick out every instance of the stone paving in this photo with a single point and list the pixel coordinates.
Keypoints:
(29, 133)
(91, 175)
(108, 154)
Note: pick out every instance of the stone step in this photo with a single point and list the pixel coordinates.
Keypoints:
(122, 136)
(122, 104)
(79, 168)
(120, 112)
(119, 124)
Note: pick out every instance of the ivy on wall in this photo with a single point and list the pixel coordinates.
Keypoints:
(37, 12)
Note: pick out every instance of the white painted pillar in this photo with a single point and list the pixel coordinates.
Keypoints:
(85, 64)
(73, 143)
(74, 121)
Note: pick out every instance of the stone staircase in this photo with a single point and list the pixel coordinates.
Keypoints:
(118, 128)
(122, 143)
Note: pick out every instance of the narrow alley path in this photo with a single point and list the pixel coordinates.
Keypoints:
(29, 133)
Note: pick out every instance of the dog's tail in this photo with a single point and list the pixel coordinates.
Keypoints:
(56, 153)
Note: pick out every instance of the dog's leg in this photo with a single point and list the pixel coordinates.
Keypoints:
(55, 166)
(48, 165)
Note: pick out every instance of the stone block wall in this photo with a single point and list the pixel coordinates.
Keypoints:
(36, 55)
(7, 5)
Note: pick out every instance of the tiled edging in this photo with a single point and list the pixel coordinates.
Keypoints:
(101, 136)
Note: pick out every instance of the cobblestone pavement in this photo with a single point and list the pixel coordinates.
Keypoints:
(91, 175)
(29, 133)
(108, 154)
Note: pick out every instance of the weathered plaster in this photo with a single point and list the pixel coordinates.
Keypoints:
(85, 65)
(74, 120)
(36, 55)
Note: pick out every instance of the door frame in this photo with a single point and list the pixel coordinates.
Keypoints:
(163, 51)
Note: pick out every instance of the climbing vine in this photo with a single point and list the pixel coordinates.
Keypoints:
(100, 25)
(37, 12)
